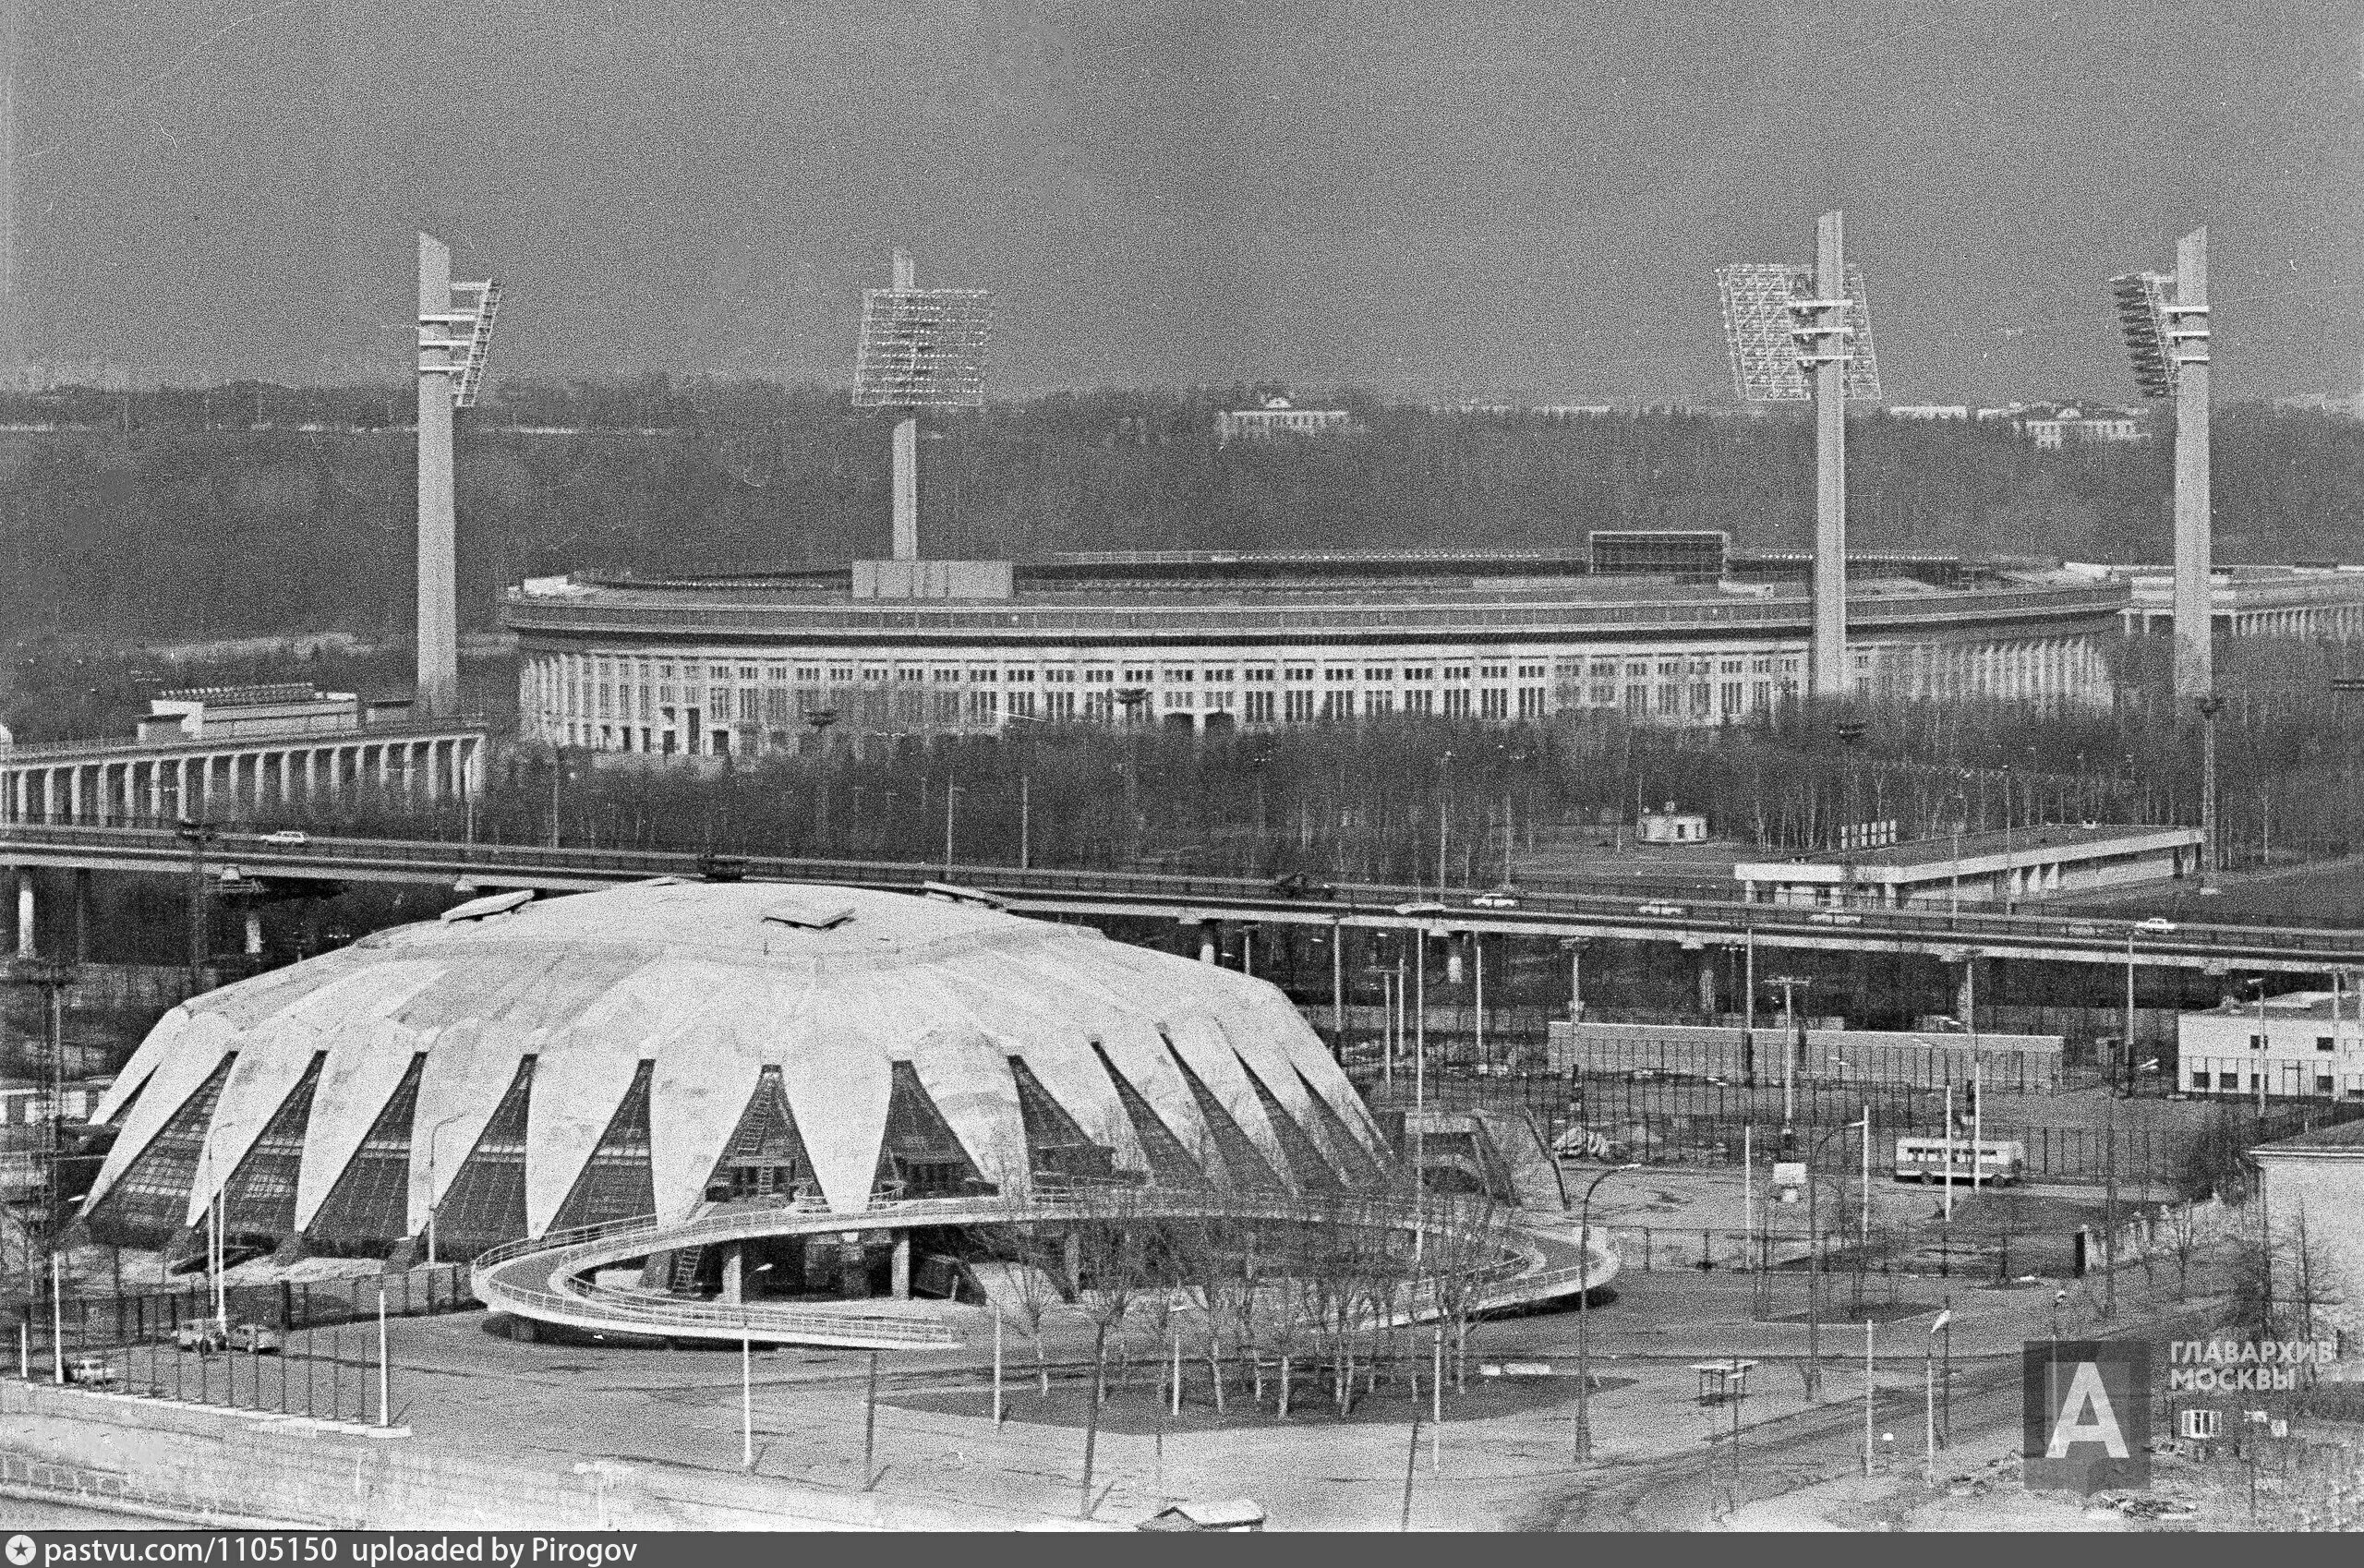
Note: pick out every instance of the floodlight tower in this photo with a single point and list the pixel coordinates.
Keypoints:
(453, 339)
(2167, 339)
(1783, 322)
(920, 348)
(1820, 327)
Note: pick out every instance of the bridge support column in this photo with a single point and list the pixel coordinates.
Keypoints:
(1451, 962)
(1071, 1261)
(902, 1287)
(854, 1270)
(27, 932)
(1708, 983)
(82, 914)
(1966, 992)
(1209, 934)
(734, 1275)
(254, 932)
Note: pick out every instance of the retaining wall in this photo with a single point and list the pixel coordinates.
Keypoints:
(207, 1462)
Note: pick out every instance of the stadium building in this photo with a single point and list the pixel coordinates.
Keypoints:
(747, 665)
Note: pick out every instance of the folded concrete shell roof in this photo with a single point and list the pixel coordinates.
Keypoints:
(382, 1076)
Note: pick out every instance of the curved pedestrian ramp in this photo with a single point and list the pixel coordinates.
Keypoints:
(553, 1279)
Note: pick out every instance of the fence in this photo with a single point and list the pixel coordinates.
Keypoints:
(1699, 1122)
(2011, 1064)
(103, 1322)
(136, 1338)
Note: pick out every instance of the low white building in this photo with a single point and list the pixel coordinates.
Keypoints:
(2319, 1174)
(2019, 865)
(1277, 416)
(2306, 1044)
(1673, 825)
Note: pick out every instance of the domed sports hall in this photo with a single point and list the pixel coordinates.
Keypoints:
(670, 1064)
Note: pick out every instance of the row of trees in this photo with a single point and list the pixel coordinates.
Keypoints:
(1312, 1298)
(248, 522)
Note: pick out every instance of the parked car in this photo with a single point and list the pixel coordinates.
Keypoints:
(2157, 924)
(287, 838)
(205, 1337)
(256, 1339)
(1422, 907)
(1497, 899)
(1662, 910)
(92, 1372)
(1835, 917)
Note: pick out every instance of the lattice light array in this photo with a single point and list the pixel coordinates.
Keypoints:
(2142, 317)
(1769, 314)
(922, 348)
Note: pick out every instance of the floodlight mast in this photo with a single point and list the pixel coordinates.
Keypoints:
(920, 348)
(907, 451)
(1823, 341)
(2188, 351)
(1799, 333)
(453, 344)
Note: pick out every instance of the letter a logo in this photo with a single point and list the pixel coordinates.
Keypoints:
(2086, 1396)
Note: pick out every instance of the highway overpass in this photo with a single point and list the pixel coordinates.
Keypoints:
(1191, 900)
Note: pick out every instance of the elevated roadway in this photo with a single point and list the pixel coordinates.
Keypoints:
(1694, 924)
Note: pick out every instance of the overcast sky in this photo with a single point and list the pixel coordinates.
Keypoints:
(1438, 198)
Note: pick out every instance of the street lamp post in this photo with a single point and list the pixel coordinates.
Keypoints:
(2209, 706)
(2264, 1054)
(196, 835)
(1790, 1045)
(820, 718)
(434, 1198)
(1584, 1317)
(747, 1380)
(1814, 1253)
(952, 792)
(1574, 948)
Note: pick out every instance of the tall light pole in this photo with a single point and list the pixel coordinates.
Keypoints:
(1814, 1256)
(1574, 948)
(820, 718)
(747, 1378)
(1444, 799)
(2263, 1053)
(1584, 1317)
(434, 1198)
(1790, 1044)
(196, 835)
(2209, 706)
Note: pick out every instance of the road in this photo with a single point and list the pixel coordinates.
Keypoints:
(1190, 900)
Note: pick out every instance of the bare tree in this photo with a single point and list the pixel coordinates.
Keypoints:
(1110, 1271)
(1036, 1263)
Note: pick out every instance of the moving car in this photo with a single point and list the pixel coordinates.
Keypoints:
(1422, 907)
(1660, 908)
(1834, 917)
(92, 1372)
(2157, 924)
(1497, 899)
(1298, 885)
(287, 838)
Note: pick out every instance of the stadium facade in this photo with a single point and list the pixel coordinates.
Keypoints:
(742, 666)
